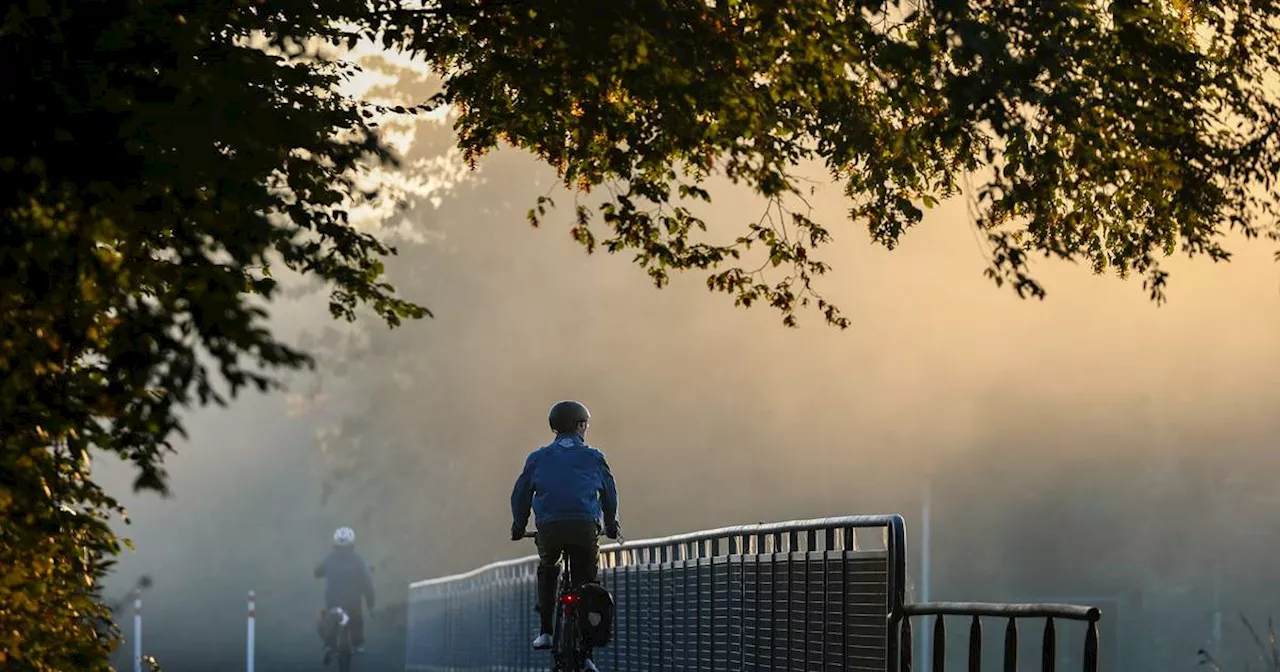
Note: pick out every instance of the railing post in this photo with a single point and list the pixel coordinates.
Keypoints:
(662, 622)
(939, 644)
(697, 602)
(1011, 645)
(1049, 653)
(788, 544)
(810, 542)
(906, 645)
(249, 636)
(975, 645)
(137, 630)
(894, 537)
(1091, 647)
(773, 543)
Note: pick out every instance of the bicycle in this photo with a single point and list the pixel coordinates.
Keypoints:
(342, 648)
(569, 649)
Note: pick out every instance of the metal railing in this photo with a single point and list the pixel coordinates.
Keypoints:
(1011, 613)
(800, 595)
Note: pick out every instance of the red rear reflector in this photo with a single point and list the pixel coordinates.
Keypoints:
(568, 599)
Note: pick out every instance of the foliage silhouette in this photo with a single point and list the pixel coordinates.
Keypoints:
(1111, 133)
(167, 156)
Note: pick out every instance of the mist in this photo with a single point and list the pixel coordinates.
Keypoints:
(1093, 444)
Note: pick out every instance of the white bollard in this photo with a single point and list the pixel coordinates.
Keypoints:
(249, 638)
(137, 630)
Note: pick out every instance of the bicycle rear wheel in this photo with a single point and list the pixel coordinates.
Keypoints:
(557, 638)
(344, 651)
(571, 653)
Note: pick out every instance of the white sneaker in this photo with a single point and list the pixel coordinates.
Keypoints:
(589, 666)
(542, 642)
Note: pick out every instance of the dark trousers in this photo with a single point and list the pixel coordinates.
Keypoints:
(579, 541)
(356, 625)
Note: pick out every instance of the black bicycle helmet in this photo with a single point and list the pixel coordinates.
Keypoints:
(566, 415)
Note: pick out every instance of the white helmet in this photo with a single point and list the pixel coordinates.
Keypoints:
(344, 536)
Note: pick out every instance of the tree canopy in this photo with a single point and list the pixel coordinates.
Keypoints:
(1115, 133)
(163, 156)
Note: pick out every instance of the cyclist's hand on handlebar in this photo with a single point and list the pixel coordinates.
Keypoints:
(517, 532)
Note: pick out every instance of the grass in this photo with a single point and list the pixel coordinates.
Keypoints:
(1267, 649)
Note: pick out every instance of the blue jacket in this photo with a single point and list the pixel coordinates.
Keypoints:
(566, 480)
(347, 579)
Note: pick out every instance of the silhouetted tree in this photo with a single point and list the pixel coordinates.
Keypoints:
(1113, 133)
(161, 156)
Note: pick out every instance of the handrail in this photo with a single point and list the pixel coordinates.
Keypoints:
(1011, 613)
(1045, 610)
(892, 521)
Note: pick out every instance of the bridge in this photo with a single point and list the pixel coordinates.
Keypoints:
(823, 594)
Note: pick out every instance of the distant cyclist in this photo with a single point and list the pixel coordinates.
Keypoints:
(574, 499)
(348, 584)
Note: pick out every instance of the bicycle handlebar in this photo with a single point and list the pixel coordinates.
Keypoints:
(534, 534)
